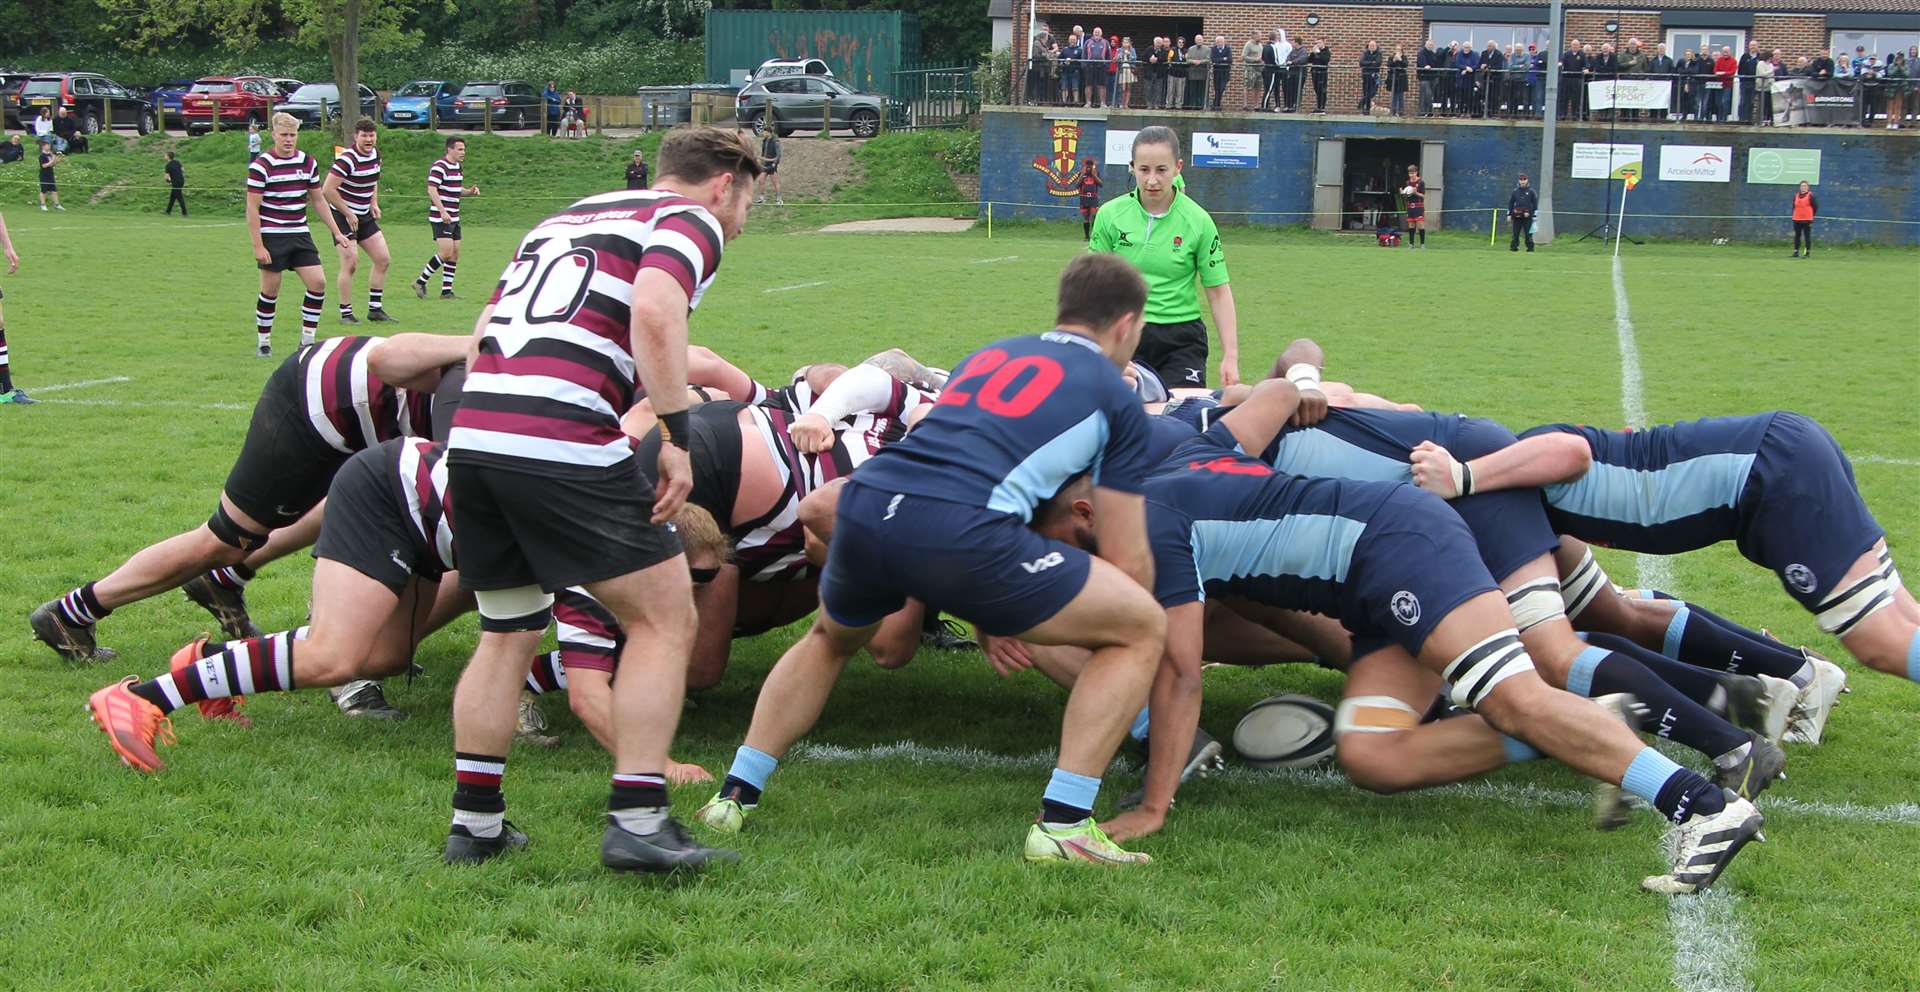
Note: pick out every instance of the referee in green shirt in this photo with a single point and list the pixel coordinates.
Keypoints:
(1171, 240)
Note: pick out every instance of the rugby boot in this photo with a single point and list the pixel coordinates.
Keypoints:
(530, 724)
(228, 606)
(379, 315)
(1704, 846)
(1610, 810)
(364, 698)
(1083, 843)
(1749, 777)
(1204, 758)
(1760, 703)
(132, 725)
(725, 813)
(210, 709)
(73, 643)
(349, 319)
(945, 635)
(669, 848)
(464, 848)
(1808, 721)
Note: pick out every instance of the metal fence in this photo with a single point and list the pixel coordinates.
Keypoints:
(933, 96)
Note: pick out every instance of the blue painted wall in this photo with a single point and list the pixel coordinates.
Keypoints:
(1864, 174)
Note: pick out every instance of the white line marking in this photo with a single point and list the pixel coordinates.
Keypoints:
(175, 227)
(1883, 460)
(1632, 399)
(82, 384)
(786, 289)
(1708, 943)
(182, 404)
(989, 261)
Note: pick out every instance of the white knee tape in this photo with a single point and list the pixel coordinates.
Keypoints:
(1373, 715)
(512, 604)
(1480, 668)
(1535, 603)
(1579, 587)
(1845, 609)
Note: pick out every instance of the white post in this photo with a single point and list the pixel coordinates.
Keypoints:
(1620, 226)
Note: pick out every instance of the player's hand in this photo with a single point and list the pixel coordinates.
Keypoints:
(13, 262)
(473, 191)
(680, 773)
(340, 238)
(1008, 655)
(262, 255)
(374, 211)
(676, 481)
(1229, 371)
(811, 433)
(1137, 822)
(1434, 470)
(1312, 408)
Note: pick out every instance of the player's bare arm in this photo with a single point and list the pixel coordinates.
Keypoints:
(1174, 714)
(1227, 319)
(319, 205)
(706, 368)
(658, 324)
(6, 245)
(906, 368)
(331, 196)
(414, 360)
(1120, 527)
(861, 389)
(1536, 461)
(260, 253)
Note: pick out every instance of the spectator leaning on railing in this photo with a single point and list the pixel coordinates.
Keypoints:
(1222, 57)
(1397, 82)
(1369, 76)
(1199, 64)
(1661, 66)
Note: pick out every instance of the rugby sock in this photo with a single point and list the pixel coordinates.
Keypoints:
(242, 668)
(310, 306)
(1698, 684)
(1913, 657)
(81, 608)
(346, 309)
(6, 371)
(478, 807)
(1599, 672)
(1423, 237)
(375, 299)
(426, 274)
(1139, 729)
(1699, 637)
(1517, 750)
(749, 774)
(263, 313)
(1676, 792)
(1068, 799)
(638, 802)
(1086, 230)
(231, 577)
(547, 674)
(446, 277)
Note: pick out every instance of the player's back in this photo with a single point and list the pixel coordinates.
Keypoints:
(1362, 444)
(1016, 421)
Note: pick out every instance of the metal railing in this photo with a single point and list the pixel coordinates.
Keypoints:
(933, 97)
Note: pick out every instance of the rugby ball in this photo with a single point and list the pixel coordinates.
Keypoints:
(1288, 731)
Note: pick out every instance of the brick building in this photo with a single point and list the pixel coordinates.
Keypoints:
(1798, 27)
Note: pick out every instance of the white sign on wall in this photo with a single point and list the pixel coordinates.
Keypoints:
(1697, 163)
(1119, 149)
(1213, 150)
(1640, 94)
(1599, 160)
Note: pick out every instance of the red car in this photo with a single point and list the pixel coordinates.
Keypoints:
(242, 100)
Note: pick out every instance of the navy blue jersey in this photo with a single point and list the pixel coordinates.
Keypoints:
(1364, 444)
(1016, 421)
(1166, 433)
(1663, 490)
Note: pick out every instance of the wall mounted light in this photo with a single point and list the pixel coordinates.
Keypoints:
(1313, 19)
(1613, 27)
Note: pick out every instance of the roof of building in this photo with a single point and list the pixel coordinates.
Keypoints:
(999, 8)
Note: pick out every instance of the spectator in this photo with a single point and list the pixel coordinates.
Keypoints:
(1749, 72)
(1767, 69)
(573, 115)
(176, 185)
(253, 140)
(1443, 75)
(1222, 56)
(1661, 66)
(48, 159)
(1842, 65)
(1539, 63)
(1089, 197)
(1369, 76)
(1899, 83)
(1521, 204)
(1273, 62)
(11, 151)
(1725, 68)
(1397, 82)
(770, 164)
(1465, 63)
(1094, 50)
(1157, 74)
(1252, 76)
(1296, 76)
(1867, 92)
(638, 175)
(1177, 74)
(67, 128)
(1072, 69)
(1198, 63)
(1036, 68)
(1110, 71)
(1688, 83)
(1573, 65)
(1054, 70)
(1518, 65)
(1633, 65)
(1860, 58)
(1594, 66)
(551, 97)
(1426, 75)
(1128, 58)
(1913, 81)
(1805, 209)
(1491, 66)
(43, 130)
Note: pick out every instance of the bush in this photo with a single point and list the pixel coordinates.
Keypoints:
(994, 76)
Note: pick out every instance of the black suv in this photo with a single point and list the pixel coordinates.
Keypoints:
(88, 96)
(515, 105)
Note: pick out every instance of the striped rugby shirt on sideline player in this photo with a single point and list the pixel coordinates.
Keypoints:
(448, 178)
(555, 370)
(283, 184)
(359, 177)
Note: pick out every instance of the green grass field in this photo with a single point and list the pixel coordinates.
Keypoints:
(303, 853)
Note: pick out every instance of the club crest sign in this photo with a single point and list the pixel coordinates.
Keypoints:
(1062, 166)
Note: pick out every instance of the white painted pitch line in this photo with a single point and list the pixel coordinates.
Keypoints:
(990, 261)
(789, 289)
(1883, 460)
(137, 404)
(1633, 401)
(172, 227)
(85, 382)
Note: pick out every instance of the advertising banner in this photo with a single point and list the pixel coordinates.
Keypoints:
(1630, 94)
(1213, 150)
(1119, 148)
(1696, 163)
(1783, 166)
(1599, 160)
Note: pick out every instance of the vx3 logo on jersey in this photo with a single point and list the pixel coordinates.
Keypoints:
(1044, 562)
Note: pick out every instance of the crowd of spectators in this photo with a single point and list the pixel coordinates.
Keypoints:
(1094, 70)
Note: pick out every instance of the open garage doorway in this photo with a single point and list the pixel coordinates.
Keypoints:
(1357, 182)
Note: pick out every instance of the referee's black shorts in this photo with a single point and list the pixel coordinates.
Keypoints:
(1175, 352)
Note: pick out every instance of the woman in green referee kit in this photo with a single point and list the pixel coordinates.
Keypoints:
(1172, 241)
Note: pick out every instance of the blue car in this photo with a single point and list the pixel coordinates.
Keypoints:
(407, 107)
(166, 98)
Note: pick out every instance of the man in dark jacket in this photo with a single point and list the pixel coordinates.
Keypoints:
(1748, 67)
(1521, 204)
(176, 184)
(1318, 62)
(1573, 81)
(1270, 68)
(1492, 63)
(1662, 66)
(1222, 57)
(1296, 75)
(1424, 63)
(1465, 65)
(1369, 76)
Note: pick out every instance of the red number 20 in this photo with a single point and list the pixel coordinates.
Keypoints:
(1000, 375)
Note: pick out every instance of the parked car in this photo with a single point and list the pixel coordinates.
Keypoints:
(10, 83)
(166, 97)
(285, 85)
(788, 103)
(516, 104)
(97, 101)
(791, 67)
(408, 106)
(319, 104)
(242, 100)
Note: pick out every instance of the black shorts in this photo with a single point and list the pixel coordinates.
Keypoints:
(770, 166)
(284, 467)
(444, 230)
(1177, 353)
(521, 529)
(289, 251)
(47, 186)
(1416, 213)
(368, 226)
(713, 450)
(367, 527)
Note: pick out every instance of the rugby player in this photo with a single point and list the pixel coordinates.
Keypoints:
(319, 407)
(1776, 484)
(551, 495)
(446, 184)
(940, 517)
(281, 184)
(352, 191)
(8, 394)
(1400, 571)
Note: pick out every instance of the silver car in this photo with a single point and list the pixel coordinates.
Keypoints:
(789, 103)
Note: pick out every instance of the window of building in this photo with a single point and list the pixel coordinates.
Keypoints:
(1706, 41)
(1881, 43)
(1475, 35)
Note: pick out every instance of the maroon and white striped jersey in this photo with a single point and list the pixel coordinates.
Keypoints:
(283, 184)
(359, 178)
(773, 546)
(350, 407)
(423, 484)
(447, 178)
(555, 369)
(588, 634)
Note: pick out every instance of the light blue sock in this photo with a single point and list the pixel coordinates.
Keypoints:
(1913, 657)
(1676, 628)
(1139, 731)
(752, 766)
(1580, 677)
(1071, 791)
(1649, 771)
(1517, 750)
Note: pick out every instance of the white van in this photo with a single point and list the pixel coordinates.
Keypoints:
(791, 67)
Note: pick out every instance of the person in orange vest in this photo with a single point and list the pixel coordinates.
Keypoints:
(1805, 208)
